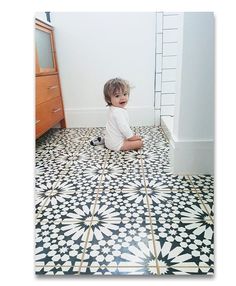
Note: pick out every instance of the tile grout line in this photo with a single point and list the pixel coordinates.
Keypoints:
(130, 266)
(88, 132)
(95, 203)
(149, 212)
(106, 157)
(116, 220)
(201, 200)
(91, 220)
(83, 142)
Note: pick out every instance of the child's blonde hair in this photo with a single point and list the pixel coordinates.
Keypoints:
(113, 85)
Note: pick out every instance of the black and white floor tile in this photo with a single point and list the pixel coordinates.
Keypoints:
(99, 212)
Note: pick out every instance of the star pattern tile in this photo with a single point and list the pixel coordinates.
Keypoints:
(100, 212)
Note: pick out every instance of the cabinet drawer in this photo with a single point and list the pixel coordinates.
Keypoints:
(47, 87)
(48, 114)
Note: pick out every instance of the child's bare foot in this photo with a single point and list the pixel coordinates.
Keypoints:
(132, 145)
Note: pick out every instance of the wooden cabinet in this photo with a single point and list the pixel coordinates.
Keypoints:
(49, 103)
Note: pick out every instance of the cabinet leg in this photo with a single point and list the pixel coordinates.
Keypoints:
(63, 123)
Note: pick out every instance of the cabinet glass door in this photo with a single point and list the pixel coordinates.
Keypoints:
(44, 50)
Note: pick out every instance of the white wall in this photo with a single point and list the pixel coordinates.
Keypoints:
(94, 47)
(194, 114)
(192, 137)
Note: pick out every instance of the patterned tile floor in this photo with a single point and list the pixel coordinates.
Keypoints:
(101, 212)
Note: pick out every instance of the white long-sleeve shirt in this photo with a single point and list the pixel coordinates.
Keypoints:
(117, 128)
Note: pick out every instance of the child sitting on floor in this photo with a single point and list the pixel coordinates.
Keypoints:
(118, 135)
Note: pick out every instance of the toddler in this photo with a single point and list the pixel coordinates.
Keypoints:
(118, 135)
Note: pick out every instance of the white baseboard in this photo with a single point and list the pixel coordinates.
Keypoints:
(96, 117)
(194, 157)
(85, 117)
(167, 125)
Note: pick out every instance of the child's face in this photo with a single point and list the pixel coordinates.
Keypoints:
(120, 98)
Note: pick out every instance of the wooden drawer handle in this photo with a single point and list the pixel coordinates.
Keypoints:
(53, 87)
(37, 121)
(56, 110)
